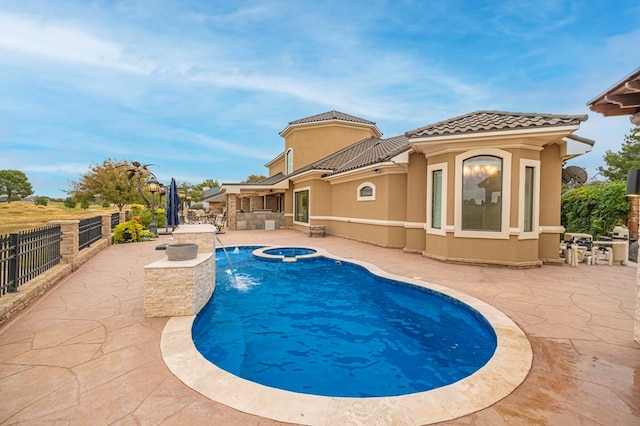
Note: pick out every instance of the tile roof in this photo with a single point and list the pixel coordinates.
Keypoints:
(271, 179)
(363, 153)
(332, 115)
(489, 121)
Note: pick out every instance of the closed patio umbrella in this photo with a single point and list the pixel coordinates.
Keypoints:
(173, 204)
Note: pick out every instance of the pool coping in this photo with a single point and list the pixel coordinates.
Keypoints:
(500, 376)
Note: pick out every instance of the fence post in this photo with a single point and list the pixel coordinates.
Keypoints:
(106, 228)
(69, 244)
(13, 264)
(123, 216)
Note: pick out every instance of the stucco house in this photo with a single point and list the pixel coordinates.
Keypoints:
(480, 188)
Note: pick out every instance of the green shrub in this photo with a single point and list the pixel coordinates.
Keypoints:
(145, 217)
(41, 201)
(70, 203)
(127, 232)
(595, 208)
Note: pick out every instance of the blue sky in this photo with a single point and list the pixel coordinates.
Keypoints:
(202, 88)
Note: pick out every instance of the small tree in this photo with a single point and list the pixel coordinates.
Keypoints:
(70, 203)
(110, 180)
(254, 178)
(14, 184)
(619, 163)
(41, 201)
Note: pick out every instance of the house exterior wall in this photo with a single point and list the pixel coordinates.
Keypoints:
(550, 204)
(416, 210)
(489, 250)
(277, 166)
(317, 141)
(379, 221)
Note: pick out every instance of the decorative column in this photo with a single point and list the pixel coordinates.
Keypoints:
(232, 221)
(106, 228)
(69, 246)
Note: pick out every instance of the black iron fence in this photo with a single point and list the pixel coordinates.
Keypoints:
(89, 231)
(115, 220)
(25, 255)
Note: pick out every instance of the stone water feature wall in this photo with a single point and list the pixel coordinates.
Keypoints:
(256, 220)
(178, 288)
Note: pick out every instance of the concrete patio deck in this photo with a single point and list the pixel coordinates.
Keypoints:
(85, 354)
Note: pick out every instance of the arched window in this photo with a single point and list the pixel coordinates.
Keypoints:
(482, 194)
(366, 192)
(289, 161)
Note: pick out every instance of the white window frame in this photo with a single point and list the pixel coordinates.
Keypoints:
(504, 232)
(288, 161)
(443, 205)
(371, 197)
(295, 191)
(535, 220)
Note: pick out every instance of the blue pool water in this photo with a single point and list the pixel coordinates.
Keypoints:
(330, 328)
(289, 251)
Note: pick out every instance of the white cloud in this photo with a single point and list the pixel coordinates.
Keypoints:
(39, 37)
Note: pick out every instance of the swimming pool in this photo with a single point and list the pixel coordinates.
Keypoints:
(331, 328)
(500, 376)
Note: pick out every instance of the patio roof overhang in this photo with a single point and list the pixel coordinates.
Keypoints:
(255, 188)
(623, 98)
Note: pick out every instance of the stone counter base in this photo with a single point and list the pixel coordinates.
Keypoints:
(178, 288)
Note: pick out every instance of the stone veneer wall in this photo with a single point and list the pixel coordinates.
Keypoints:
(231, 212)
(633, 218)
(178, 288)
(201, 234)
(255, 220)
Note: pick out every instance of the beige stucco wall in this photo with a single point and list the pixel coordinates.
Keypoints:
(550, 203)
(380, 221)
(416, 209)
(511, 251)
(277, 166)
(315, 142)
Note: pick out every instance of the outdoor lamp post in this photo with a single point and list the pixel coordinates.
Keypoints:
(153, 186)
(633, 190)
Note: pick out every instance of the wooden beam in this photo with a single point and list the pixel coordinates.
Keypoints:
(625, 100)
(633, 85)
(611, 109)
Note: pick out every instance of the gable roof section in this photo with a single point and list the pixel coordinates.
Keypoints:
(621, 99)
(331, 116)
(278, 177)
(360, 154)
(492, 121)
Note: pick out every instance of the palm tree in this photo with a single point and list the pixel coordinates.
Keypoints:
(141, 173)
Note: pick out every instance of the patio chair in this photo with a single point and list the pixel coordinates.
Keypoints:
(220, 224)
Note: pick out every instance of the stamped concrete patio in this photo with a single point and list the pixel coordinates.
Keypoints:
(85, 354)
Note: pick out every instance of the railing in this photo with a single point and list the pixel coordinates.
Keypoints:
(25, 255)
(115, 220)
(89, 231)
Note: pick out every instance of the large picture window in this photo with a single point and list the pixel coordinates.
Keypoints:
(302, 206)
(529, 190)
(437, 199)
(482, 194)
(528, 199)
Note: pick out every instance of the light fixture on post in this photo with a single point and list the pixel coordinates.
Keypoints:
(153, 186)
